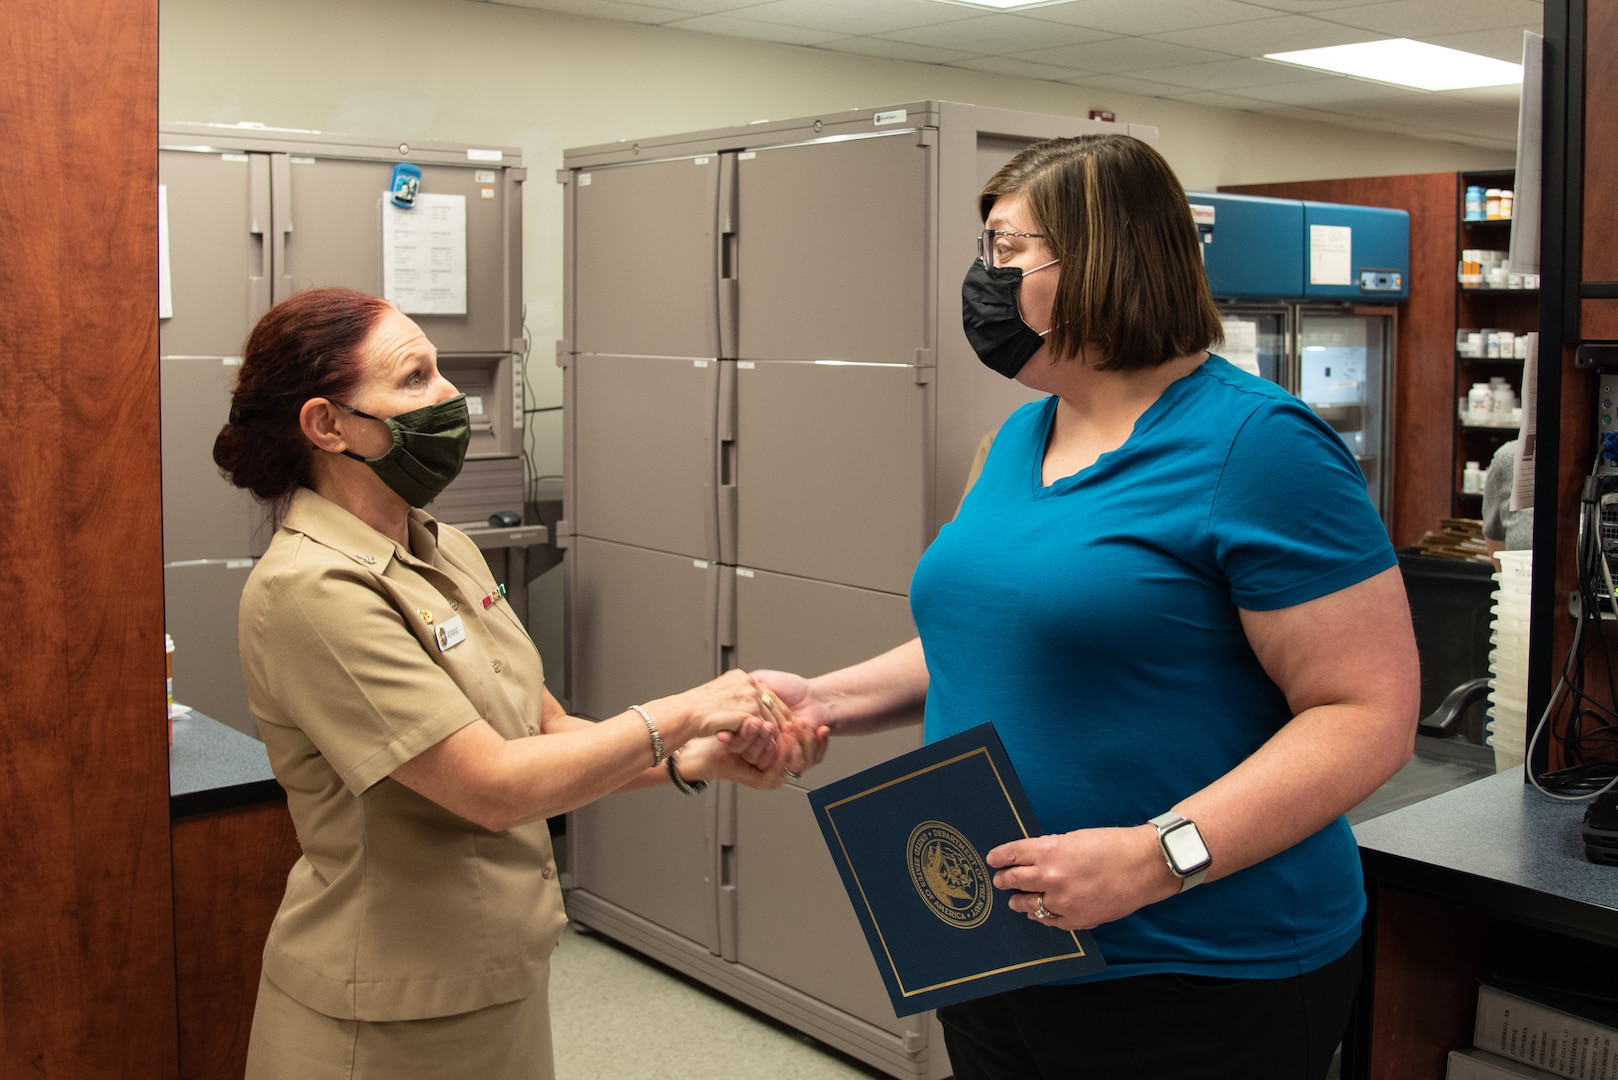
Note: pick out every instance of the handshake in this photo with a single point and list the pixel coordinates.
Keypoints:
(758, 729)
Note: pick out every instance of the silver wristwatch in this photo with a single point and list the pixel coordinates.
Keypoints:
(1183, 848)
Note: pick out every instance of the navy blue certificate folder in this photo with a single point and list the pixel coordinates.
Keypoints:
(908, 837)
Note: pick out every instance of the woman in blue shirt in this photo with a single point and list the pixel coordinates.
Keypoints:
(1170, 593)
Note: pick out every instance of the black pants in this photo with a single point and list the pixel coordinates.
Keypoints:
(1157, 1026)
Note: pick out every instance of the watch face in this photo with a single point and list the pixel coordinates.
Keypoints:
(1185, 849)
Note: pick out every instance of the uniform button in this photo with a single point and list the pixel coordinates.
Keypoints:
(454, 606)
(531, 730)
(545, 873)
(496, 665)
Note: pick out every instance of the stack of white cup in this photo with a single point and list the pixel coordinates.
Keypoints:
(1508, 659)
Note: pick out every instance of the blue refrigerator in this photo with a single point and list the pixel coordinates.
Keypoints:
(1309, 294)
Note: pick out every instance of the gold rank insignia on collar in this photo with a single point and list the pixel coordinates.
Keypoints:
(426, 615)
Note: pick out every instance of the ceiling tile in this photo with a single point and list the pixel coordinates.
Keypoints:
(1124, 84)
(895, 50)
(1419, 18)
(1502, 44)
(1122, 54)
(1141, 17)
(703, 7)
(1279, 34)
(1197, 51)
(1021, 69)
(856, 17)
(1220, 100)
(1228, 74)
(1306, 7)
(1322, 92)
(730, 26)
(994, 35)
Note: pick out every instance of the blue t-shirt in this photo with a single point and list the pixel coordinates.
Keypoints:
(1095, 623)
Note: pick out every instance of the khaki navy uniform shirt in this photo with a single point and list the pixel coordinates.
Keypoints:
(358, 655)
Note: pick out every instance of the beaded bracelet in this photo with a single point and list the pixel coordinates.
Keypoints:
(657, 740)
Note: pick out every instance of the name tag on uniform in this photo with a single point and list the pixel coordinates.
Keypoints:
(450, 633)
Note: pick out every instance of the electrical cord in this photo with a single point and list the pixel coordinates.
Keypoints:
(1583, 778)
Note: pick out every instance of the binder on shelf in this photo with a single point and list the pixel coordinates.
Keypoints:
(908, 837)
(1481, 1065)
(1563, 1032)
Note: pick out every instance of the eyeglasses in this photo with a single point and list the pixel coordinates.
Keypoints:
(987, 251)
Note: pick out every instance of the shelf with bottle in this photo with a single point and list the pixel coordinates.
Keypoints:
(1481, 205)
(1489, 270)
(1491, 404)
(1496, 308)
(1491, 343)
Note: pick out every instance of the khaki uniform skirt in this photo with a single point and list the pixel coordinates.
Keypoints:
(291, 1041)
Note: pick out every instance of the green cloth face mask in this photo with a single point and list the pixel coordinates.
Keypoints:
(429, 447)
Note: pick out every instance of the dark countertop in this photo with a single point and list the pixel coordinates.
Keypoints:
(214, 767)
(1499, 846)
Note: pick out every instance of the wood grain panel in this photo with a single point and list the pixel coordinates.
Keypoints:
(1600, 148)
(86, 944)
(1424, 357)
(1598, 319)
(230, 871)
(1427, 956)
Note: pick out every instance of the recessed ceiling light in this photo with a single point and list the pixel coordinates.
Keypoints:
(1403, 62)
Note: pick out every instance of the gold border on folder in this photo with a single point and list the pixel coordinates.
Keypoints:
(1078, 950)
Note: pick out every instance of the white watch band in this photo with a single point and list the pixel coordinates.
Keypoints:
(1168, 822)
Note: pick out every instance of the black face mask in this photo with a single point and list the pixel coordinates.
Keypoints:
(992, 320)
(429, 447)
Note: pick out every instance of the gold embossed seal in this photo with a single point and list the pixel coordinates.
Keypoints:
(949, 875)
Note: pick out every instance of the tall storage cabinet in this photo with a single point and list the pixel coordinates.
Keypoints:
(251, 216)
(770, 411)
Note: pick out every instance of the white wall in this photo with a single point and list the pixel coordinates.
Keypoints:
(459, 71)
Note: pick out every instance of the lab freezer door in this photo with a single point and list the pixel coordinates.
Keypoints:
(793, 919)
(834, 261)
(811, 627)
(204, 515)
(218, 218)
(1258, 339)
(642, 625)
(1345, 375)
(831, 471)
(201, 599)
(330, 219)
(645, 258)
(644, 454)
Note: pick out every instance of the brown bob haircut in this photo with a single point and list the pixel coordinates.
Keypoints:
(1117, 220)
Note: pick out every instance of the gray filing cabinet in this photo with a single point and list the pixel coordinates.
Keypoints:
(251, 216)
(770, 410)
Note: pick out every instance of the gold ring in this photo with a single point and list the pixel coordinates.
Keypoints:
(1041, 911)
(767, 701)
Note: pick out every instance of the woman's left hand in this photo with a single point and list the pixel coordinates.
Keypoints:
(1084, 878)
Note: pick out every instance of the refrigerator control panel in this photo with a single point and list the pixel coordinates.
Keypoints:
(1381, 281)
